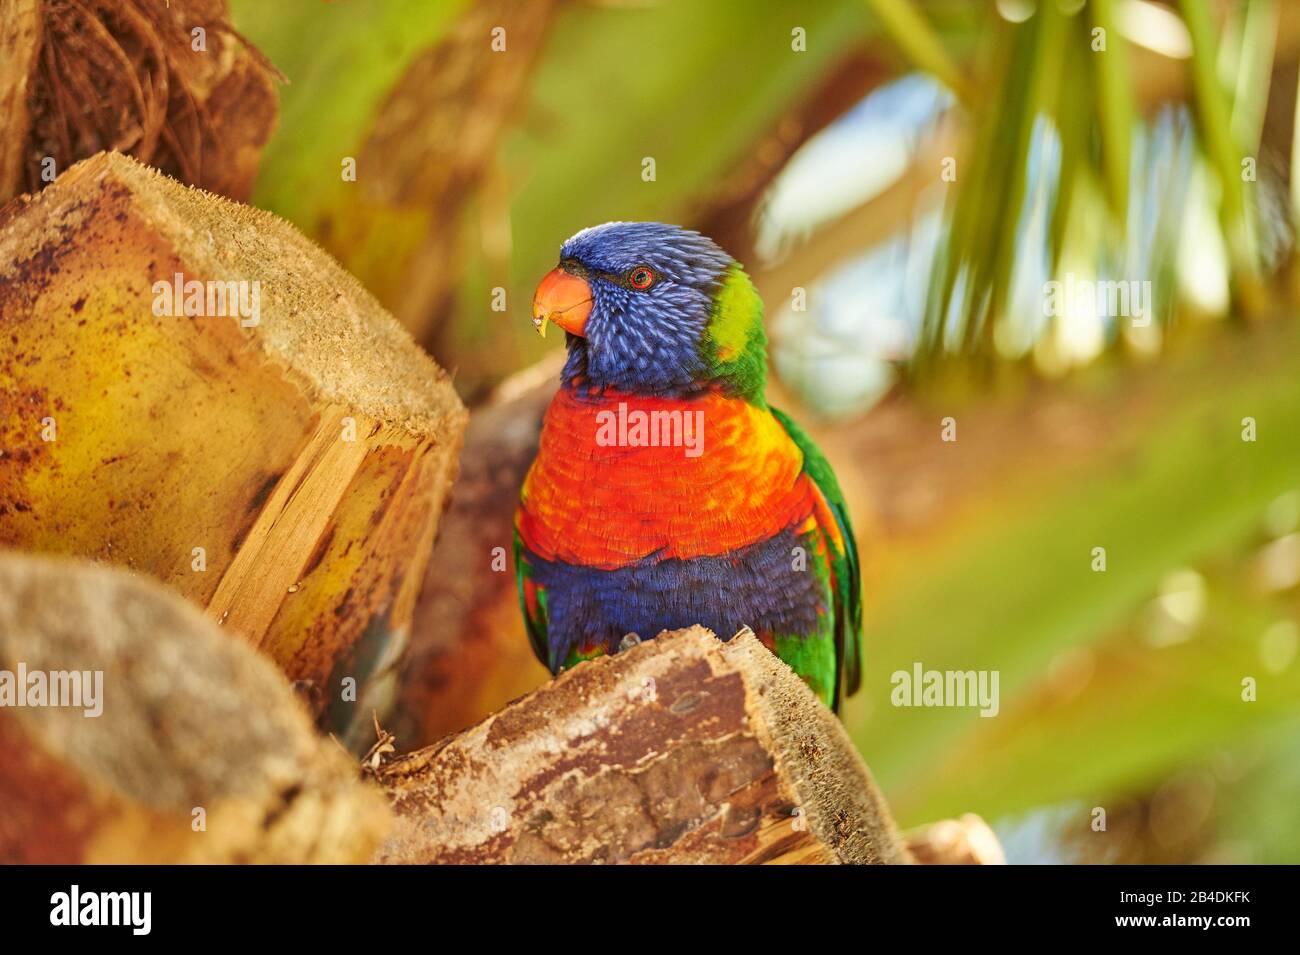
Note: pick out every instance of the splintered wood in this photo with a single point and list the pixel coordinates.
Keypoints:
(195, 390)
(683, 749)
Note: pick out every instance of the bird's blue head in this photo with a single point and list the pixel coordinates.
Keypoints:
(654, 309)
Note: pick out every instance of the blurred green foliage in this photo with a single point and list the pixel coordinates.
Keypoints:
(691, 85)
(341, 60)
(1010, 586)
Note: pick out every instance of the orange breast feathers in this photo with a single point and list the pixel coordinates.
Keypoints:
(620, 477)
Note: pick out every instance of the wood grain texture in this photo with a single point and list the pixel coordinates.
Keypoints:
(309, 455)
(684, 749)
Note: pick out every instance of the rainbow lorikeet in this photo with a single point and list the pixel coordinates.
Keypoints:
(666, 492)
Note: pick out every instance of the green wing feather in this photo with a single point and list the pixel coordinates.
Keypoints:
(848, 575)
(534, 617)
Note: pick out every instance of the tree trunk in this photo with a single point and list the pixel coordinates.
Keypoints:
(685, 749)
(283, 465)
(200, 751)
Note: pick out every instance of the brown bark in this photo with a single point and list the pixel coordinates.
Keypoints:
(20, 32)
(685, 749)
(308, 455)
(135, 76)
(190, 720)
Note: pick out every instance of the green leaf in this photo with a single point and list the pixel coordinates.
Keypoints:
(1008, 586)
(1115, 110)
(910, 30)
(1217, 138)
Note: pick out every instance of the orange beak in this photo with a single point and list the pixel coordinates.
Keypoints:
(562, 298)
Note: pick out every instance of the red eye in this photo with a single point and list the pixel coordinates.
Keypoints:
(641, 277)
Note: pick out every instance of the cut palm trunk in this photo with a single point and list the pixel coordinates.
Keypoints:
(135, 731)
(684, 749)
(191, 388)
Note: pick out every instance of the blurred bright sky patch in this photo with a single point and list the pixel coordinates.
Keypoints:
(863, 316)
